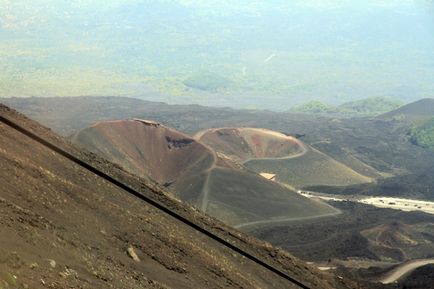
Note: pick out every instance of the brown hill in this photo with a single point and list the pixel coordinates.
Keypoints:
(63, 226)
(212, 181)
(147, 148)
(242, 144)
(293, 162)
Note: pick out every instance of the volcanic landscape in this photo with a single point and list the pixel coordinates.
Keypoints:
(304, 183)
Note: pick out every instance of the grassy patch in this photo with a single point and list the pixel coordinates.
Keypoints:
(423, 134)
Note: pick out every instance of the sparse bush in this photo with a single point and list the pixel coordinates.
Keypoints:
(370, 106)
(423, 134)
(315, 107)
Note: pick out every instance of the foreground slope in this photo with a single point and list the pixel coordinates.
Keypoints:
(292, 161)
(63, 226)
(212, 181)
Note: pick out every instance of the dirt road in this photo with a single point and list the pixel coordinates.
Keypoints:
(405, 268)
(273, 222)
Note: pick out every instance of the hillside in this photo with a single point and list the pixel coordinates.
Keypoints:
(311, 169)
(63, 226)
(372, 106)
(212, 181)
(316, 107)
(415, 111)
(422, 133)
(293, 162)
(346, 157)
(363, 242)
(147, 148)
(242, 144)
(421, 278)
(399, 240)
(372, 146)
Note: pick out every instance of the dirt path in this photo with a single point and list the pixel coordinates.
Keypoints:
(268, 222)
(205, 192)
(205, 189)
(303, 151)
(405, 268)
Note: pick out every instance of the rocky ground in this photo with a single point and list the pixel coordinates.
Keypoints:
(63, 227)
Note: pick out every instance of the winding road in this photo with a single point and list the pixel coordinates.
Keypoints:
(396, 273)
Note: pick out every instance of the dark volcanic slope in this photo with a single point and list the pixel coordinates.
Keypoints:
(360, 234)
(421, 109)
(256, 201)
(211, 181)
(421, 278)
(310, 169)
(63, 227)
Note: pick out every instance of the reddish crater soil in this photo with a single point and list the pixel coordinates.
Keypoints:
(211, 180)
(242, 144)
(147, 148)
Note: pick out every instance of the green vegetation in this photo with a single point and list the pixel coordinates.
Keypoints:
(8, 280)
(315, 107)
(364, 107)
(371, 106)
(423, 134)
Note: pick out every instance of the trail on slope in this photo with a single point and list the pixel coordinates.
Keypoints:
(273, 222)
(205, 190)
(303, 151)
(396, 273)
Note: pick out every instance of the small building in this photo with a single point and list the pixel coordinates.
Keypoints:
(268, 176)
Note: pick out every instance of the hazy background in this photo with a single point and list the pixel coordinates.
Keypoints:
(252, 54)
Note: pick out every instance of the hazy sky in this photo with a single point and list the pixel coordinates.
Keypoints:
(191, 50)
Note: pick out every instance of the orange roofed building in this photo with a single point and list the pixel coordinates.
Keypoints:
(268, 176)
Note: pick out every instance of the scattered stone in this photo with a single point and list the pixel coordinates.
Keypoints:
(133, 254)
(34, 265)
(52, 263)
(68, 272)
